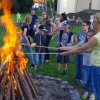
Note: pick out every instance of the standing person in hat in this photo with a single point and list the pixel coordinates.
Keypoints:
(34, 18)
(64, 39)
(40, 40)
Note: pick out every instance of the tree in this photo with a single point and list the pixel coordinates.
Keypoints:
(22, 5)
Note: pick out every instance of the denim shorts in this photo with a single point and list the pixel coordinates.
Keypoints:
(39, 58)
(60, 58)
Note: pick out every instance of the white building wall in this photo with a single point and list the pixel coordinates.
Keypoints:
(73, 6)
(82, 5)
(95, 5)
(67, 6)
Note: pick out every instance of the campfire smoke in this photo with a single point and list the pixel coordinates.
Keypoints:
(15, 81)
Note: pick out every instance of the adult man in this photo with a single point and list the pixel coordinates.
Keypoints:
(34, 17)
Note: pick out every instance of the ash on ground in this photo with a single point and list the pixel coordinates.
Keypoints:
(50, 88)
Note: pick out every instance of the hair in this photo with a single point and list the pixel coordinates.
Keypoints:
(27, 19)
(87, 22)
(92, 31)
(64, 16)
(41, 27)
(97, 17)
(37, 21)
(45, 13)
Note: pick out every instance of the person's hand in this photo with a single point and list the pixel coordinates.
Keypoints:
(28, 44)
(33, 44)
(62, 48)
(64, 53)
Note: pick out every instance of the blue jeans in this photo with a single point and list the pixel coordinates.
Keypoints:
(96, 81)
(79, 65)
(87, 78)
(29, 50)
(39, 58)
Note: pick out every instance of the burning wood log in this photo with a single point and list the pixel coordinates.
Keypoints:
(31, 80)
(2, 87)
(13, 92)
(30, 84)
(19, 88)
(9, 87)
(26, 89)
(24, 85)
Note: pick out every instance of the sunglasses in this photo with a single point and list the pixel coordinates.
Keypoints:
(84, 25)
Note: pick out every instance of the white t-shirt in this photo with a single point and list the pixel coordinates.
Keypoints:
(36, 28)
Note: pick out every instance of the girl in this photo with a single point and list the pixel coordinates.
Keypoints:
(25, 38)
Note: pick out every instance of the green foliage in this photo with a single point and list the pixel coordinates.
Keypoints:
(22, 5)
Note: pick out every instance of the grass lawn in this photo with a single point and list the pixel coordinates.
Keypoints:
(50, 68)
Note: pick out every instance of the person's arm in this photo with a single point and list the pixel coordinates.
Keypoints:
(88, 50)
(68, 47)
(92, 42)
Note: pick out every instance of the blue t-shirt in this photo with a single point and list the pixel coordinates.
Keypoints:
(81, 38)
(34, 17)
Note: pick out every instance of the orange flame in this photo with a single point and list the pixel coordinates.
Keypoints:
(11, 49)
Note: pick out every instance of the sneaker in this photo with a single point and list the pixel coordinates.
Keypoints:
(65, 73)
(92, 96)
(81, 81)
(47, 61)
(32, 65)
(85, 95)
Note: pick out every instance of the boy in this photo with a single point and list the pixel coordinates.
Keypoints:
(40, 40)
(65, 38)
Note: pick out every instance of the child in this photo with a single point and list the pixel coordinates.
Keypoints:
(40, 40)
(87, 77)
(18, 19)
(36, 26)
(65, 38)
(25, 38)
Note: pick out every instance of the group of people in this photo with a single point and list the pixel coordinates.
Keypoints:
(87, 47)
(90, 59)
(39, 33)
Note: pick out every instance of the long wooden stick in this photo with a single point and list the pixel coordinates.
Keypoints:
(9, 87)
(42, 46)
(30, 84)
(31, 80)
(19, 88)
(24, 85)
(13, 92)
(2, 85)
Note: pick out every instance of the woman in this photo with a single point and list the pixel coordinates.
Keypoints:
(25, 37)
(48, 24)
(93, 43)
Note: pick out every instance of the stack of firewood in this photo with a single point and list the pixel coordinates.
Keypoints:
(17, 86)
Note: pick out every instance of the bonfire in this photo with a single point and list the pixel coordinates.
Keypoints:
(15, 80)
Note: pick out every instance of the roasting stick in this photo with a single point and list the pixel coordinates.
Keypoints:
(34, 45)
